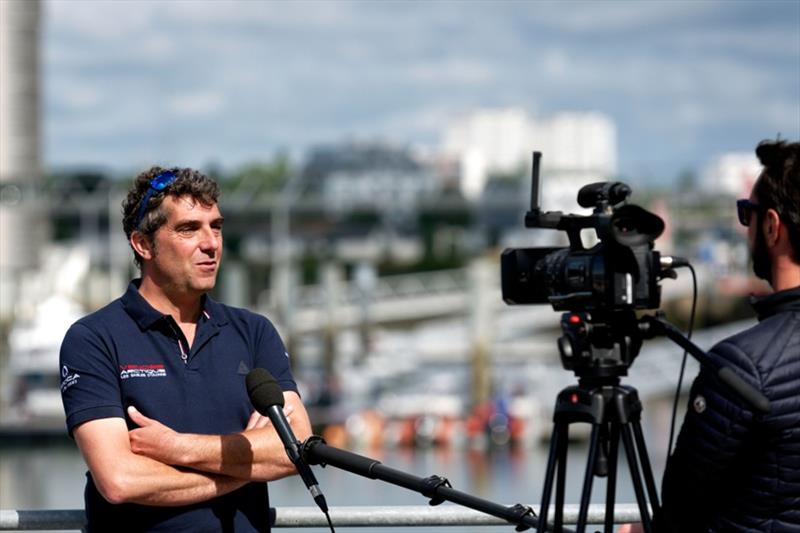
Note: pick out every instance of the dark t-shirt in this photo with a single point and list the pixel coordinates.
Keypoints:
(130, 354)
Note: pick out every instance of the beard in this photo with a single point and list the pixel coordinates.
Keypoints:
(762, 266)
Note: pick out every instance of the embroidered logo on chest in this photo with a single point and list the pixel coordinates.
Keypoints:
(142, 371)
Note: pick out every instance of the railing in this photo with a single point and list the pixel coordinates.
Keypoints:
(396, 287)
(300, 517)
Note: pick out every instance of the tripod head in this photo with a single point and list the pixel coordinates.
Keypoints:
(599, 344)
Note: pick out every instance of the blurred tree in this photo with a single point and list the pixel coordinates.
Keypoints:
(510, 178)
(687, 180)
(258, 177)
(214, 169)
(76, 182)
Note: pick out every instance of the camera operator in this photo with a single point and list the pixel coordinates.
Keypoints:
(734, 469)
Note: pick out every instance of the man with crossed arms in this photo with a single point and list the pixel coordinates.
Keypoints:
(153, 384)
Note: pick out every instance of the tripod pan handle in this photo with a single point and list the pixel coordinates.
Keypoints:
(752, 396)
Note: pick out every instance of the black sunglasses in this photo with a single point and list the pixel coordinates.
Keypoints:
(745, 209)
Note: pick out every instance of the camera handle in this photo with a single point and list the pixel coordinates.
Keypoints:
(651, 326)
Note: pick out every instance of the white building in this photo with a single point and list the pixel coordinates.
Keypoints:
(731, 174)
(388, 189)
(372, 175)
(578, 148)
(486, 141)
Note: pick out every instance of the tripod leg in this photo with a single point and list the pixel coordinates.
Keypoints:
(633, 464)
(647, 470)
(588, 477)
(552, 459)
(611, 487)
(561, 477)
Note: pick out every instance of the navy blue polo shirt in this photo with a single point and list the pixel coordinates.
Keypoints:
(127, 353)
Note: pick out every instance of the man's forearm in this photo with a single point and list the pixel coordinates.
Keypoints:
(165, 486)
(256, 455)
(125, 477)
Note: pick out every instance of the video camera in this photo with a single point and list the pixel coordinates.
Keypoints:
(600, 286)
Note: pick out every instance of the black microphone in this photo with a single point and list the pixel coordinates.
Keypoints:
(267, 397)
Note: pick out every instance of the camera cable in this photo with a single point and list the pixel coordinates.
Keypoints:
(683, 362)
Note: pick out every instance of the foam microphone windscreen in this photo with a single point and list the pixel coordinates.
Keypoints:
(263, 390)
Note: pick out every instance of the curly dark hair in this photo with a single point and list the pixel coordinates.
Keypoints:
(187, 182)
(778, 187)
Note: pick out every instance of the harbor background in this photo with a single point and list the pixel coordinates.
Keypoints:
(375, 161)
(51, 476)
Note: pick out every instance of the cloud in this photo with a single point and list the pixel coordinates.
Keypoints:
(196, 104)
(99, 20)
(613, 17)
(80, 98)
(449, 71)
(242, 78)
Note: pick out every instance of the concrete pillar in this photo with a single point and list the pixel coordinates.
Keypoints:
(284, 284)
(120, 256)
(366, 278)
(23, 224)
(332, 280)
(482, 305)
(235, 285)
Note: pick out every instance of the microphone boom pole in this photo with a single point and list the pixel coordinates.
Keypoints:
(438, 489)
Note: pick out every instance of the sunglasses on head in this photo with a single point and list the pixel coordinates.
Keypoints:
(745, 209)
(159, 183)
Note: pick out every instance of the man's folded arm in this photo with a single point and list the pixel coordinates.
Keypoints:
(122, 476)
(255, 454)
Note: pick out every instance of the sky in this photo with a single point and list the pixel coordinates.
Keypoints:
(130, 83)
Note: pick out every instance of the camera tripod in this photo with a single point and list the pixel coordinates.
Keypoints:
(614, 411)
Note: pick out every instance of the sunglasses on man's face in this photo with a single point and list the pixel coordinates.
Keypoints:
(745, 209)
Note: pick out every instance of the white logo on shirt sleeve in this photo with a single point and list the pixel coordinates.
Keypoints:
(67, 379)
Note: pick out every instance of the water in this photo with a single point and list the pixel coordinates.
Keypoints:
(52, 477)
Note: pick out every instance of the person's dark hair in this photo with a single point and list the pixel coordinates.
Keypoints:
(778, 187)
(188, 182)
